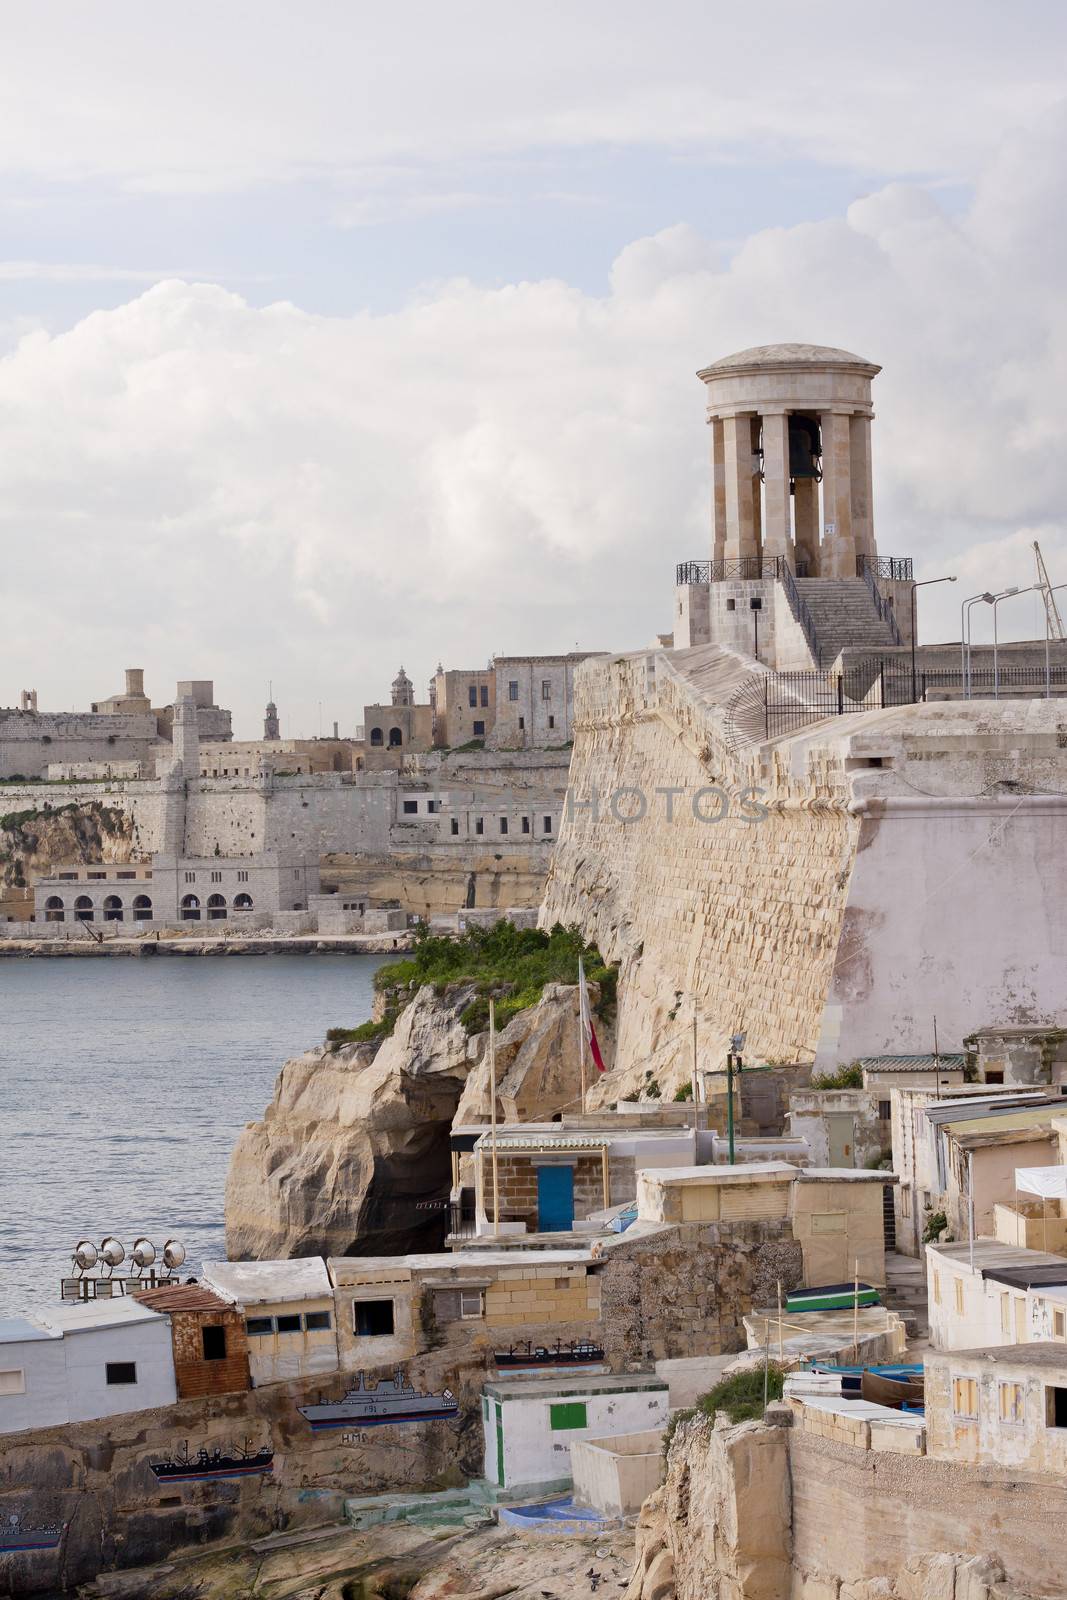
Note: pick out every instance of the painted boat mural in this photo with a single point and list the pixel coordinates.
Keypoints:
(577, 1354)
(391, 1400)
(15, 1536)
(206, 1464)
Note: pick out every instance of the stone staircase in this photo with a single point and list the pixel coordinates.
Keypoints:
(905, 1293)
(845, 615)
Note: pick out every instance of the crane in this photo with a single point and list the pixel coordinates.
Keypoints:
(1053, 620)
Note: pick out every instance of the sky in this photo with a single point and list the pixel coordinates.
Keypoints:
(339, 337)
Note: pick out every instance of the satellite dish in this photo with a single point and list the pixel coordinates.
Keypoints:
(85, 1255)
(143, 1254)
(112, 1253)
(173, 1254)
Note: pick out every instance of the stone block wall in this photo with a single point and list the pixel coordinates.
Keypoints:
(544, 1295)
(518, 1187)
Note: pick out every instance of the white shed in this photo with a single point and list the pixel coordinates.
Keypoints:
(531, 1423)
(118, 1357)
(33, 1376)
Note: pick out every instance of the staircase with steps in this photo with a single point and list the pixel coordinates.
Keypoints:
(905, 1293)
(845, 615)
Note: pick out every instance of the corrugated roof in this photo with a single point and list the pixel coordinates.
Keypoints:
(1000, 1125)
(541, 1142)
(912, 1063)
(182, 1297)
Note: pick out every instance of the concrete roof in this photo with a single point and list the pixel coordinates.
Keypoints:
(258, 1282)
(19, 1330)
(992, 1256)
(456, 1259)
(788, 355)
(91, 1314)
(1029, 1355)
(538, 1388)
(845, 1175)
(746, 1172)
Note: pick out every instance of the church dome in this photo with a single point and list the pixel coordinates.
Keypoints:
(773, 357)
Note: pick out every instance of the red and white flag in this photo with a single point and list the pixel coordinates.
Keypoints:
(585, 1020)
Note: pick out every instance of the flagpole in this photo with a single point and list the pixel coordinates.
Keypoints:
(492, 1117)
(581, 1026)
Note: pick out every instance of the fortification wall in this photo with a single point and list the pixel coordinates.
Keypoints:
(30, 741)
(825, 892)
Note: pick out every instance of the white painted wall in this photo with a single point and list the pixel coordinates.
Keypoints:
(616, 1476)
(536, 1453)
(38, 1358)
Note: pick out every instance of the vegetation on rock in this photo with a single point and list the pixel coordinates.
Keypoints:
(741, 1396)
(850, 1077)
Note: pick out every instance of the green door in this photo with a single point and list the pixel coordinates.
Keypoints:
(499, 1446)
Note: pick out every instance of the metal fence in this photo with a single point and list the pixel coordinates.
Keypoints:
(793, 700)
(741, 568)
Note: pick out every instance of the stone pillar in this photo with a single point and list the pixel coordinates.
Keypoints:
(838, 554)
(806, 522)
(741, 538)
(777, 531)
(860, 472)
(718, 491)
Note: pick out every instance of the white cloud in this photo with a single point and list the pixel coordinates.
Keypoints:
(205, 488)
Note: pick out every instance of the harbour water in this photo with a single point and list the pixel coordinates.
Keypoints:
(123, 1085)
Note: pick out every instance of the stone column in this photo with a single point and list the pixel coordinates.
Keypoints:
(860, 473)
(718, 490)
(838, 554)
(741, 537)
(777, 530)
(806, 521)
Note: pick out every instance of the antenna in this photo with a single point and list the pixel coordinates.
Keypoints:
(1053, 620)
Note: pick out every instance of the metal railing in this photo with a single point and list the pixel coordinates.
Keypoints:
(881, 604)
(900, 569)
(793, 700)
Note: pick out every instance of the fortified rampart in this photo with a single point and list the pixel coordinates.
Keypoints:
(826, 892)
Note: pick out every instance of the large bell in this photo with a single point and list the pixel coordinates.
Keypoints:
(805, 447)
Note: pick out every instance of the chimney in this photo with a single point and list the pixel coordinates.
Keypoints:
(135, 683)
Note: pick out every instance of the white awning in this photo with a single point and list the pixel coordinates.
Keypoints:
(1051, 1182)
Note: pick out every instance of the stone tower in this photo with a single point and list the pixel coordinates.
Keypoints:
(271, 727)
(403, 690)
(186, 737)
(794, 575)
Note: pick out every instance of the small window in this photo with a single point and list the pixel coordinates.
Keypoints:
(546, 824)
(470, 1304)
(755, 604)
(513, 690)
(1055, 1407)
(1005, 1316)
(373, 1318)
(216, 877)
(125, 875)
(214, 1340)
(13, 1381)
(1059, 1324)
(290, 1323)
(905, 1201)
(317, 1321)
(96, 874)
(568, 1414)
(433, 806)
(937, 1288)
(256, 1327)
(525, 824)
(885, 1110)
(546, 689)
(1010, 1401)
(242, 877)
(190, 877)
(455, 825)
(472, 695)
(483, 695)
(121, 1371)
(965, 1397)
(731, 605)
(957, 1288)
(503, 824)
(479, 730)
(522, 724)
(410, 807)
(479, 824)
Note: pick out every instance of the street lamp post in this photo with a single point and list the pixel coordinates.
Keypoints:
(1007, 594)
(924, 585)
(965, 637)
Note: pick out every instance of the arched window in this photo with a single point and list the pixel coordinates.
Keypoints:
(53, 909)
(376, 736)
(216, 908)
(242, 902)
(396, 738)
(142, 908)
(83, 909)
(190, 908)
(112, 908)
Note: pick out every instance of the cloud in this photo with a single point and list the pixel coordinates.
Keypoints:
(88, 272)
(207, 488)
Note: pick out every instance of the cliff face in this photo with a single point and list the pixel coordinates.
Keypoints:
(34, 842)
(355, 1143)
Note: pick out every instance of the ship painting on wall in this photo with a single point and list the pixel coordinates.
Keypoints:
(17, 1537)
(206, 1465)
(389, 1401)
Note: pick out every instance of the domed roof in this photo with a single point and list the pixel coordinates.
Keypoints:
(789, 355)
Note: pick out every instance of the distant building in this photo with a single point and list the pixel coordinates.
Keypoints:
(177, 889)
(534, 700)
(464, 706)
(398, 729)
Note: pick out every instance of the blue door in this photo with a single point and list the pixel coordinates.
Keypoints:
(555, 1199)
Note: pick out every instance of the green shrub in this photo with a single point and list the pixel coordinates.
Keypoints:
(741, 1396)
(365, 1031)
(850, 1077)
(685, 1092)
(936, 1221)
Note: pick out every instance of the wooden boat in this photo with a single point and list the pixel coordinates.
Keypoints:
(885, 1389)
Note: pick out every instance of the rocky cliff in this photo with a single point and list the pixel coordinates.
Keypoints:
(34, 841)
(352, 1155)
